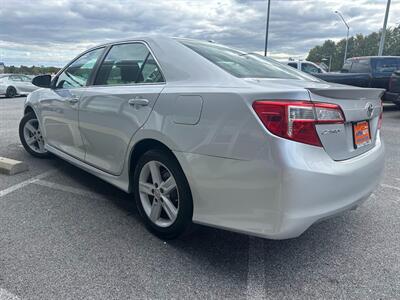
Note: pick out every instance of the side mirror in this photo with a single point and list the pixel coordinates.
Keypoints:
(43, 81)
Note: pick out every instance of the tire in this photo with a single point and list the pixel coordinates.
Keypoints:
(11, 92)
(32, 148)
(181, 197)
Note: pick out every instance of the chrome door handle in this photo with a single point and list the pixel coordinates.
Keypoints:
(72, 100)
(138, 102)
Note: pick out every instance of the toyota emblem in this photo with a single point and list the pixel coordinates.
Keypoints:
(370, 109)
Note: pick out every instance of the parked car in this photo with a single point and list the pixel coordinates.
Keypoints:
(393, 92)
(368, 71)
(305, 66)
(13, 85)
(199, 132)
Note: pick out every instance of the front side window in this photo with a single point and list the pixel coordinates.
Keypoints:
(77, 74)
(309, 68)
(293, 65)
(128, 64)
(244, 65)
(25, 78)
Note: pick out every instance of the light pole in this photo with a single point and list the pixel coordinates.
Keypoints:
(347, 36)
(267, 28)
(382, 42)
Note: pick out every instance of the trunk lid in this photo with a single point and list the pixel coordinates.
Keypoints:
(358, 105)
(337, 139)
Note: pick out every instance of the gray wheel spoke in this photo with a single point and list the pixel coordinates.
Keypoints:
(155, 210)
(168, 185)
(155, 172)
(30, 140)
(146, 188)
(30, 127)
(169, 208)
(41, 146)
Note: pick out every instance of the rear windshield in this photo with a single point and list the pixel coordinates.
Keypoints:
(244, 65)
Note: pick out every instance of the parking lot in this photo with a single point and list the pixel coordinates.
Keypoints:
(65, 234)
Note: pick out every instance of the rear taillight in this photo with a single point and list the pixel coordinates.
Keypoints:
(295, 120)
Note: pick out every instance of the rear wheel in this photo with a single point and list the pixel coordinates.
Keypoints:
(163, 194)
(31, 137)
(11, 92)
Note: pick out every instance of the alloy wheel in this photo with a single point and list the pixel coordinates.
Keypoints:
(33, 136)
(159, 193)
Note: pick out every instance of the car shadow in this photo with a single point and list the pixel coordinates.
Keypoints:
(319, 245)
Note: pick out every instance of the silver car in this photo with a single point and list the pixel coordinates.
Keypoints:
(13, 85)
(201, 133)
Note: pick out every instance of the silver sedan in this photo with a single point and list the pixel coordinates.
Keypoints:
(13, 85)
(203, 133)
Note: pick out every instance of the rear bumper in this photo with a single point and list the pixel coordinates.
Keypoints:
(279, 197)
(392, 97)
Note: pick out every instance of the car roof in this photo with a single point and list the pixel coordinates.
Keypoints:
(179, 63)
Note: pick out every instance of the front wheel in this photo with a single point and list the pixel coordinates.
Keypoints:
(163, 195)
(31, 137)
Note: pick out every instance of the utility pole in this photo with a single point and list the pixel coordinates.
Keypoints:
(382, 42)
(347, 36)
(267, 28)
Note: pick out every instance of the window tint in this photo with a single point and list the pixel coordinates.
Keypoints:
(309, 68)
(77, 74)
(387, 65)
(360, 66)
(128, 64)
(294, 65)
(244, 65)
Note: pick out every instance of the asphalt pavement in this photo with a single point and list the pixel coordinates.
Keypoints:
(65, 234)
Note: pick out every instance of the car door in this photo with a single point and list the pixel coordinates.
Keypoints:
(26, 84)
(127, 84)
(59, 106)
(3, 84)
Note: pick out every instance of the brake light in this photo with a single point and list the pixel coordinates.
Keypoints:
(296, 120)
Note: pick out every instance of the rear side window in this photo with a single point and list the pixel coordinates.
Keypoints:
(244, 65)
(128, 64)
(387, 65)
(15, 78)
(360, 66)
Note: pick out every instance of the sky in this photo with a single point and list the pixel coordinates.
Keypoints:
(52, 32)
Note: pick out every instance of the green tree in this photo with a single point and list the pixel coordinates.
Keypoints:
(358, 45)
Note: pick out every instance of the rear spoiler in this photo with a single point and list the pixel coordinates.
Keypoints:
(348, 92)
